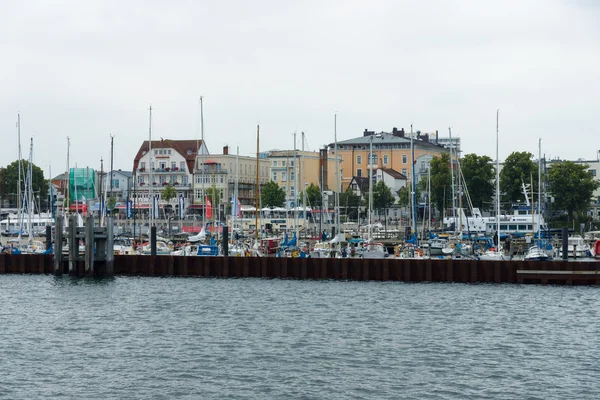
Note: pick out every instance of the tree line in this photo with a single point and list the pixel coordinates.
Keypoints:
(569, 183)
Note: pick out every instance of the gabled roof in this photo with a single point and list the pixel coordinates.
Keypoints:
(187, 148)
(362, 182)
(393, 173)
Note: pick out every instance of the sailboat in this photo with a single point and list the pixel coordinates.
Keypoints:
(496, 254)
(370, 248)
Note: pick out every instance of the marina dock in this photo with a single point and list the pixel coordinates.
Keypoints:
(355, 269)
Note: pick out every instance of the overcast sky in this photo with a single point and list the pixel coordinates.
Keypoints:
(88, 69)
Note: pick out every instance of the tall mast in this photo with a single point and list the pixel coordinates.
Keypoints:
(414, 183)
(257, 227)
(19, 168)
(370, 161)
(539, 209)
(452, 178)
(30, 201)
(296, 178)
(202, 158)
(497, 184)
(302, 184)
(67, 175)
(151, 203)
(337, 179)
(236, 187)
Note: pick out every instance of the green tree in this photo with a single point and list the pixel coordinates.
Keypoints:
(518, 169)
(405, 193)
(382, 196)
(441, 182)
(313, 196)
(168, 193)
(214, 195)
(272, 195)
(11, 178)
(2, 192)
(572, 186)
(351, 202)
(479, 175)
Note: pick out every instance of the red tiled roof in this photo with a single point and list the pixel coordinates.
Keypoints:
(187, 149)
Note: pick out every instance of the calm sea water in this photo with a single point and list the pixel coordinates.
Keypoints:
(151, 338)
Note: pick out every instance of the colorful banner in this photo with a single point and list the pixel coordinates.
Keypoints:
(209, 211)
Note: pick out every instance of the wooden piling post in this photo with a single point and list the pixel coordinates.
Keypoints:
(57, 249)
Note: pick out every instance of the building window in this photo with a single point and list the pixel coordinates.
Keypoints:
(292, 176)
(292, 191)
(359, 172)
(404, 172)
(283, 176)
(184, 180)
(403, 158)
(143, 165)
(115, 183)
(592, 172)
(182, 165)
(291, 163)
(359, 159)
(173, 165)
(274, 163)
(163, 165)
(385, 159)
(283, 163)
(141, 179)
(354, 186)
(275, 176)
(162, 179)
(152, 165)
(373, 158)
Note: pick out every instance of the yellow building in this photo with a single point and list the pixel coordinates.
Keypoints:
(288, 168)
(390, 150)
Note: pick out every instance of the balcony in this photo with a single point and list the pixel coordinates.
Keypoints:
(169, 170)
(210, 171)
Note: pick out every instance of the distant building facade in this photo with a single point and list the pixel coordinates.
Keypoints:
(168, 162)
(390, 150)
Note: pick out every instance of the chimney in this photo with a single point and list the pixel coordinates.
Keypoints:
(425, 137)
(395, 131)
(368, 133)
(402, 132)
(323, 174)
(225, 150)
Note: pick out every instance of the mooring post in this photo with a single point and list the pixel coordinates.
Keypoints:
(153, 241)
(48, 236)
(89, 246)
(565, 243)
(58, 256)
(110, 252)
(226, 241)
(73, 245)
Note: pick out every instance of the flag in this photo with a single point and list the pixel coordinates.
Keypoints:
(83, 205)
(209, 210)
(129, 209)
(181, 206)
(236, 206)
(156, 210)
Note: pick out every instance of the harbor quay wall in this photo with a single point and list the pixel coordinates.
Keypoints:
(356, 269)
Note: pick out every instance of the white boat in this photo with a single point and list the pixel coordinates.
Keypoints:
(437, 247)
(122, 246)
(161, 248)
(374, 250)
(535, 253)
(187, 250)
(577, 248)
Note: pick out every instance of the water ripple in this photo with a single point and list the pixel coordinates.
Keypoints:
(173, 338)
